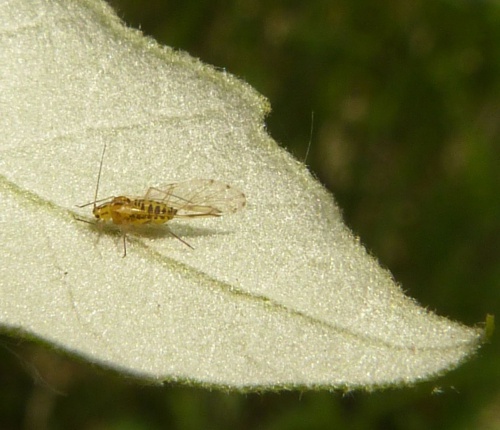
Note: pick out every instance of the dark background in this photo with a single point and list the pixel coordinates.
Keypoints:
(406, 102)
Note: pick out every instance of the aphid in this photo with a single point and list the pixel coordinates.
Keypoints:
(189, 199)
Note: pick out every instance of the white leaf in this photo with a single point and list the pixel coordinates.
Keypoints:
(278, 295)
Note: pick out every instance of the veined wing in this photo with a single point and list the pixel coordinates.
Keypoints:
(199, 197)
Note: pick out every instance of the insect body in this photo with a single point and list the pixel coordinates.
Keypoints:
(123, 210)
(189, 199)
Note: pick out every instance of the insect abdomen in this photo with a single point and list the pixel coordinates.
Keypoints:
(143, 211)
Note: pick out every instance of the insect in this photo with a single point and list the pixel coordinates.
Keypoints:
(194, 198)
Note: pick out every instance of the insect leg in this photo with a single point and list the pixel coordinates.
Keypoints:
(177, 237)
(124, 235)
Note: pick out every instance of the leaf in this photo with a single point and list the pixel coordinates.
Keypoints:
(279, 295)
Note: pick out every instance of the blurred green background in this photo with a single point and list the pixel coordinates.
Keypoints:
(406, 102)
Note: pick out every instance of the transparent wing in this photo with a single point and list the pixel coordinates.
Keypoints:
(199, 197)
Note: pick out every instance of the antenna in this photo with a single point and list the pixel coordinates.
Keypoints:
(99, 176)
(310, 137)
(97, 185)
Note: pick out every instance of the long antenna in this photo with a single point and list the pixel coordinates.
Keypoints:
(310, 137)
(99, 176)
